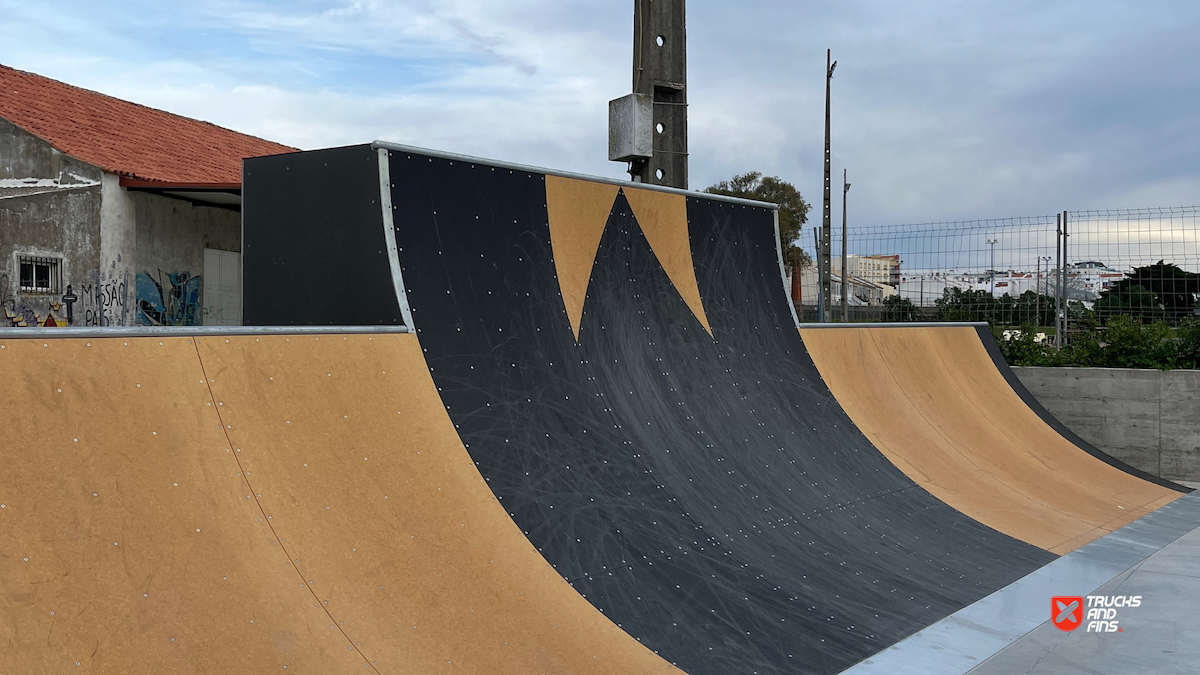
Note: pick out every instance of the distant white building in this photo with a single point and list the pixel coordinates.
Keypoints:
(877, 269)
(924, 288)
(863, 292)
(1092, 276)
(1085, 281)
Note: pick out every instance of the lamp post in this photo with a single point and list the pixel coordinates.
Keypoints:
(992, 243)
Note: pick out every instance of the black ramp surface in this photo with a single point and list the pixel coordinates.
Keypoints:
(707, 494)
(313, 241)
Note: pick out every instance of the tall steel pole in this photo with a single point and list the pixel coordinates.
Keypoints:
(845, 279)
(1058, 277)
(826, 231)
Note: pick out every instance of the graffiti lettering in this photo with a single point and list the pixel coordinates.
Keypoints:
(103, 303)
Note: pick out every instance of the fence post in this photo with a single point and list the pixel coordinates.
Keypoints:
(820, 276)
(1058, 281)
(1066, 300)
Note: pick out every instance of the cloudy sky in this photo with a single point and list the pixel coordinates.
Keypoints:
(942, 110)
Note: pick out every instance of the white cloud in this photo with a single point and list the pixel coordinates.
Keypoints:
(942, 110)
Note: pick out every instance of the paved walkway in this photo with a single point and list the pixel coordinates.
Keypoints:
(1161, 636)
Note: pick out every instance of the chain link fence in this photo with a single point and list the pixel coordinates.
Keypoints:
(1060, 273)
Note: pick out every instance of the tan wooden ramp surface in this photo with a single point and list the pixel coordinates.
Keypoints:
(934, 403)
(264, 504)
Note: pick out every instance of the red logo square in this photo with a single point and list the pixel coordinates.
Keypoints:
(1066, 611)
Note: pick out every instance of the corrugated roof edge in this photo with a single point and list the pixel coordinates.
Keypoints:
(396, 147)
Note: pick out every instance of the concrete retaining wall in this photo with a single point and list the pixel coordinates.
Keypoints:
(1147, 418)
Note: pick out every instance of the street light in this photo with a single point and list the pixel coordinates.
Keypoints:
(992, 243)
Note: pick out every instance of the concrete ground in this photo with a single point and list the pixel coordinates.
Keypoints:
(1161, 636)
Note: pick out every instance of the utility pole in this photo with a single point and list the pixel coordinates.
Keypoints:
(845, 279)
(660, 72)
(826, 233)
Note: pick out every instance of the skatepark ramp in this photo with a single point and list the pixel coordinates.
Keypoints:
(624, 367)
(507, 420)
(269, 502)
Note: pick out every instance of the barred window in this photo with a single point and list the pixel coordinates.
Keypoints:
(41, 275)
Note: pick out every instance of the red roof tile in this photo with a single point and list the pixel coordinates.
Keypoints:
(126, 138)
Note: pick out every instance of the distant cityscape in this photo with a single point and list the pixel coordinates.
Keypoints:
(876, 277)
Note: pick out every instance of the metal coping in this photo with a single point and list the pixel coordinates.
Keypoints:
(783, 278)
(389, 235)
(911, 324)
(396, 147)
(184, 331)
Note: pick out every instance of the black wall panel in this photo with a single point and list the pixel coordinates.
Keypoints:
(313, 245)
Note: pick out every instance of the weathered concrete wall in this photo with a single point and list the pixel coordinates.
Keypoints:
(49, 207)
(113, 296)
(1147, 418)
(171, 238)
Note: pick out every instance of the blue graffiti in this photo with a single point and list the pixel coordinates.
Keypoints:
(171, 299)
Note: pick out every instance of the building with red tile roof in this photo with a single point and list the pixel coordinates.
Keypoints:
(130, 140)
(114, 213)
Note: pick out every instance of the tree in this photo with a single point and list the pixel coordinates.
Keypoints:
(896, 308)
(1152, 292)
(793, 210)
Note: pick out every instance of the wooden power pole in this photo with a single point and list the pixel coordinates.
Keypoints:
(660, 71)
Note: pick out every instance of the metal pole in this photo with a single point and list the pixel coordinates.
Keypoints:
(845, 290)
(1066, 300)
(992, 265)
(820, 275)
(826, 233)
(1058, 281)
(1037, 287)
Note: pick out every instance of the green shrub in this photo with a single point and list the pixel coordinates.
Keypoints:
(1122, 342)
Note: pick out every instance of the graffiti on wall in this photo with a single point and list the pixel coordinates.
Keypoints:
(168, 299)
(103, 303)
(20, 314)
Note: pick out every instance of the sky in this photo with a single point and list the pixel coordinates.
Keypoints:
(941, 110)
